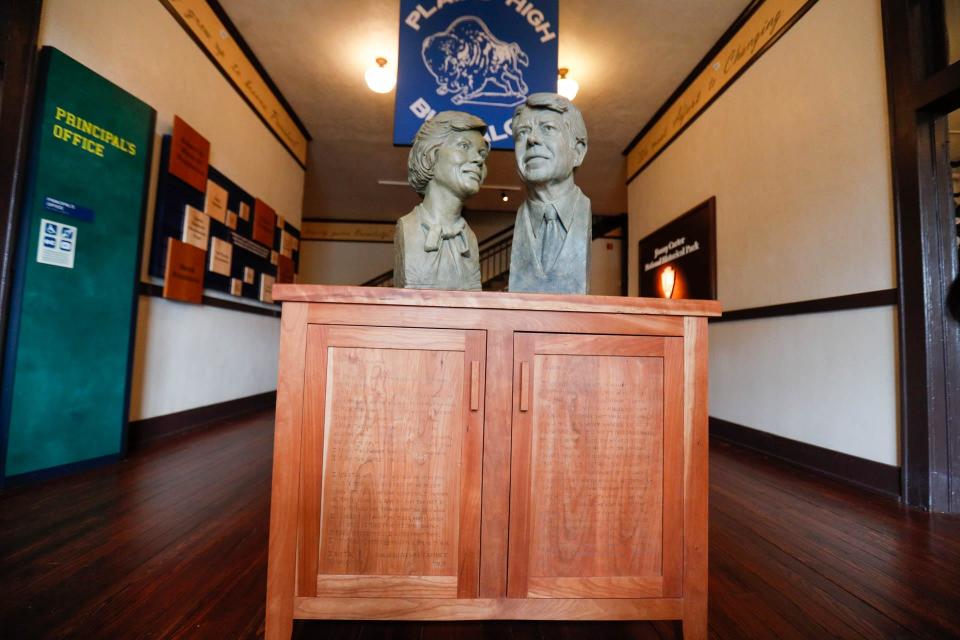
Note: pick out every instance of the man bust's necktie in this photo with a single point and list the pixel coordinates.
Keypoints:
(551, 242)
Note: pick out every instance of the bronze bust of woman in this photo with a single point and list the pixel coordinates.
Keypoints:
(433, 246)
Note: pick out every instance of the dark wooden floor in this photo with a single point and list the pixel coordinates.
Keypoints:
(172, 544)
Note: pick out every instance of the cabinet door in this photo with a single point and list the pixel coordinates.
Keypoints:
(596, 469)
(390, 490)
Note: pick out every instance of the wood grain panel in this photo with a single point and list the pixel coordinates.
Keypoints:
(389, 338)
(493, 300)
(596, 489)
(359, 586)
(487, 609)
(470, 468)
(600, 345)
(495, 514)
(392, 442)
(495, 319)
(475, 385)
(519, 544)
(286, 476)
(595, 587)
(314, 399)
(695, 479)
(673, 478)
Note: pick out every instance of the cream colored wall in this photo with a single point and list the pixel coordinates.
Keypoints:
(605, 267)
(797, 153)
(186, 356)
(348, 263)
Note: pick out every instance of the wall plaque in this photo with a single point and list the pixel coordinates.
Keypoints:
(196, 227)
(221, 256)
(679, 260)
(189, 155)
(284, 269)
(183, 279)
(215, 202)
(264, 222)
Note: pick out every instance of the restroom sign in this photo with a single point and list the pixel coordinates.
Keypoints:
(57, 244)
(480, 56)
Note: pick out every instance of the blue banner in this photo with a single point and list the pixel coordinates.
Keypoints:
(480, 56)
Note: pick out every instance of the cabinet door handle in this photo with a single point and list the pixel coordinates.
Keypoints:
(474, 385)
(524, 386)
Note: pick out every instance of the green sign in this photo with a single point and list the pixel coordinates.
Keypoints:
(73, 313)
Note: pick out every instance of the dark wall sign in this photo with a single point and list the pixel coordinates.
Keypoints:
(480, 56)
(69, 344)
(679, 260)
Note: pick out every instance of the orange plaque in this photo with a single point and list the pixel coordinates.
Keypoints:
(264, 222)
(284, 269)
(183, 278)
(189, 155)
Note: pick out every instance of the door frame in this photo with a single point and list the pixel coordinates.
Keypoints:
(920, 94)
(19, 27)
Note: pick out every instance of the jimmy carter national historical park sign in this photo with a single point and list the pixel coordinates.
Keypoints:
(480, 56)
(679, 260)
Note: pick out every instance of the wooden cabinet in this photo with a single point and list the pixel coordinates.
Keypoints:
(455, 455)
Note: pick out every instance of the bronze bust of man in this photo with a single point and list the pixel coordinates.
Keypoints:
(551, 242)
(433, 246)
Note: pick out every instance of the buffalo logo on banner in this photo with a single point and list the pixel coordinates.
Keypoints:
(481, 56)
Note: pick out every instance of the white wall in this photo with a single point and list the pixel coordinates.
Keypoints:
(186, 356)
(797, 153)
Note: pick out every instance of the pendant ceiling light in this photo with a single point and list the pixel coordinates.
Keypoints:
(379, 78)
(567, 87)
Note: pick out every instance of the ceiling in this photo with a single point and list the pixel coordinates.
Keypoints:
(627, 55)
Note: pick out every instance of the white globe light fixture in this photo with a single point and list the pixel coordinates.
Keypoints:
(379, 78)
(567, 87)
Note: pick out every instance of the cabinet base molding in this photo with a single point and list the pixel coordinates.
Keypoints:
(447, 609)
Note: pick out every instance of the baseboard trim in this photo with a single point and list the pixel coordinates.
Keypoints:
(52, 473)
(865, 473)
(147, 431)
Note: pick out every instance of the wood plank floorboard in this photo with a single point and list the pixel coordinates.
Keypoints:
(172, 542)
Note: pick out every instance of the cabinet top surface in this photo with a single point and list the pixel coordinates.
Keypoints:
(492, 300)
